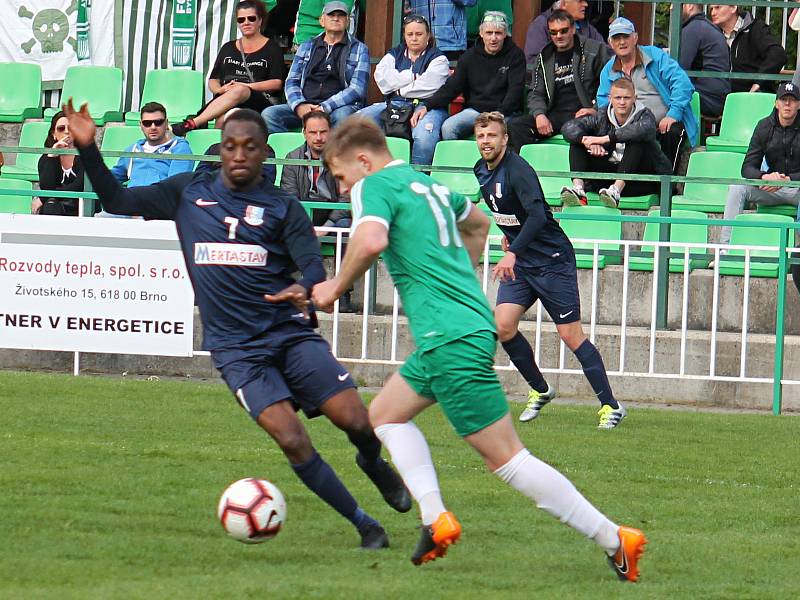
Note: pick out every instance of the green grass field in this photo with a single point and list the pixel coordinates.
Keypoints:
(108, 489)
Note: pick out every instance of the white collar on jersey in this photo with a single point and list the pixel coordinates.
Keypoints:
(394, 163)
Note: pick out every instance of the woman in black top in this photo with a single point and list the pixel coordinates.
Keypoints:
(230, 81)
(59, 172)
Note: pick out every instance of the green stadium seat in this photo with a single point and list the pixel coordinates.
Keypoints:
(400, 148)
(19, 205)
(556, 140)
(609, 253)
(732, 263)
(742, 112)
(21, 92)
(201, 139)
(179, 90)
(547, 157)
(627, 202)
(101, 87)
(695, 104)
(33, 135)
(690, 234)
(708, 197)
(282, 143)
(778, 209)
(495, 248)
(457, 153)
(118, 139)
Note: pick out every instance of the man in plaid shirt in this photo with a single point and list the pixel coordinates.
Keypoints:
(329, 73)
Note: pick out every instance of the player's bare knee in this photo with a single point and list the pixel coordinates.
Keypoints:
(506, 329)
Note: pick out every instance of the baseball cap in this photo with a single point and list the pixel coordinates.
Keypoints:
(620, 26)
(334, 6)
(787, 88)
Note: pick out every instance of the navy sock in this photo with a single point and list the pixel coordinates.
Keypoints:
(595, 371)
(369, 446)
(321, 479)
(521, 354)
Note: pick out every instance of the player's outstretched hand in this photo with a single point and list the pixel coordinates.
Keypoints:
(81, 124)
(324, 295)
(504, 269)
(295, 293)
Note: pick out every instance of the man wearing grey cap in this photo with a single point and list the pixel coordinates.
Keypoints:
(772, 156)
(661, 85)
(329, 73)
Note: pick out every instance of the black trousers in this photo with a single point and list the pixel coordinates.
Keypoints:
(672, 143)
(522, 130)
(635, 160)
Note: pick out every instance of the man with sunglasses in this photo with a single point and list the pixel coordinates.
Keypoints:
(565, 81)
(157, 140)
(538, 31)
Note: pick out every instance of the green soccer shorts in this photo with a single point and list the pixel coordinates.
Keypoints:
(460, 376)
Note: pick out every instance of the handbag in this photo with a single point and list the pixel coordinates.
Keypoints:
(271, 100)
(396, 119)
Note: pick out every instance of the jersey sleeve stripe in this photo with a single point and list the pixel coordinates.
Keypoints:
(374, 219)
(356, 204)
(465, 213)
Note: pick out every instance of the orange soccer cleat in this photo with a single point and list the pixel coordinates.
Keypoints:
(436, 538)
(631, 547)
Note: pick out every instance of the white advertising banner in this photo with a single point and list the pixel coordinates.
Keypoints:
(94, 285)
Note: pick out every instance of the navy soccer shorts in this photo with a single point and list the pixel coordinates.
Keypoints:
(291, 362)
(556, 286)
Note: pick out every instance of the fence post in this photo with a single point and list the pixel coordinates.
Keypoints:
(777, 388)
(662, 267)
(675, 30)
(88, 203)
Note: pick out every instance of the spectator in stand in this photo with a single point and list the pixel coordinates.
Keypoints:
(620, 139)
(661, 85)
(703, 48)
(307, 25)
(753, 48)
(316, 183)
(490, 75)
(157, 140)
(248, 72)
(538, 35)
(59, 172)
(565, 80)
(408, 73)
(329, 73)
(448, 18)
(773, 156)
(2, 162)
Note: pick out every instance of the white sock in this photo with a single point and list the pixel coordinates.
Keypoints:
(555, 494)
(412, 458)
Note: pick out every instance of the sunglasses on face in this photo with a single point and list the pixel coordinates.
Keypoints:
(248, 18)
(562, 31)
(61, 128)
(153, 122)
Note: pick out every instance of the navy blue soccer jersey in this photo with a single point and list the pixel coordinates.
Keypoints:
(514, 195)
(238, 245)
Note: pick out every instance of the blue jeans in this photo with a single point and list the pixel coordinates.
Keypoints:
(461, 125)
(424, 135)
(281, 117)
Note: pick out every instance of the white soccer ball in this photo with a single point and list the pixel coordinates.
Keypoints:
(252, 510)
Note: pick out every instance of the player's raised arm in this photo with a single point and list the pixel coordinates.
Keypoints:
(474, 229)
(157, 201)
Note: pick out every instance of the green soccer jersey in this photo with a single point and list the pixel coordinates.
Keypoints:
(426, 258)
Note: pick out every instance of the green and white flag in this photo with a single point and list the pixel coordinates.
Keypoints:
(184, 26)
(83, 48)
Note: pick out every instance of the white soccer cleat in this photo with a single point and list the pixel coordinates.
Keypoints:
(536, 400)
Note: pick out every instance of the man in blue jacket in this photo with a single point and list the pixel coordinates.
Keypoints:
(661, 85)
(329, 73)
(157, 140)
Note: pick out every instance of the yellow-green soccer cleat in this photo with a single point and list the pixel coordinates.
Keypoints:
(536, 400)
(611, 417)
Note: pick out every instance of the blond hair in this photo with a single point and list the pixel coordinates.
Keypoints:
(355, 132)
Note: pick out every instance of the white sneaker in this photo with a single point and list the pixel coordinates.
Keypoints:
(573, 196)
(611, 417)
(610, 196)
(536, 400)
